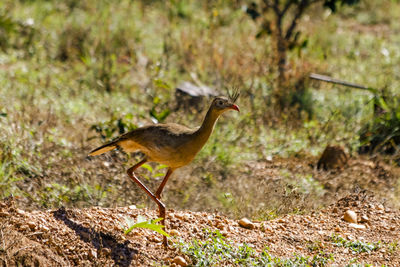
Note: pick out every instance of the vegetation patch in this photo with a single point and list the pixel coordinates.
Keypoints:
(215, 249)
(356, 246)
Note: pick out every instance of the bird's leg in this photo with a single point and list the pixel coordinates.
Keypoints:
(164, 181)
(160, 205)
(158, 196)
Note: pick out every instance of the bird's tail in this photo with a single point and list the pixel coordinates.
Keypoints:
(103, 149)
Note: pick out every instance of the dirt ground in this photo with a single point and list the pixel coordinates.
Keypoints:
(95, 237)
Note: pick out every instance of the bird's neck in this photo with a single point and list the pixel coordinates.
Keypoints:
(206, 128)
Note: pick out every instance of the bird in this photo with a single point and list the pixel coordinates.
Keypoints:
(171, 144)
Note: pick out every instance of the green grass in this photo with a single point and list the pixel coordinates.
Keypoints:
(217, 250)
(356, 246)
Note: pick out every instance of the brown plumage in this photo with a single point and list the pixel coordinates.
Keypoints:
(171, 144)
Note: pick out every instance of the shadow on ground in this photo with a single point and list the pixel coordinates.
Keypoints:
(121, 254)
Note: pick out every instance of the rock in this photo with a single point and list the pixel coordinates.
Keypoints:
(93, 254)
(335, 210)
(246, 223)
(31, 225)
(154, 238)
(364, 219)
(44, 228)
(183, 217)
(20, 212)
(174, 232)
(132, 207)
(338, 229)
(357, 226)
(179, 261)
(380, 207)
(350, 216)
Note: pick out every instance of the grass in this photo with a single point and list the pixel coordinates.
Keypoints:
(356, 246)
(217, 250)
(76, 75)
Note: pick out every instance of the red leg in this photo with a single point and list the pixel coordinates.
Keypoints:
(164, 181)
(161, 206)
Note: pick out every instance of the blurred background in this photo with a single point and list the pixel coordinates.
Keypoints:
(75, 74)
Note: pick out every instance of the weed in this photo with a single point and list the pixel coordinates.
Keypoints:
(383, 133)
(217, 250)
(114, 126)
(355, 246)
(393, 247)
(142, 222)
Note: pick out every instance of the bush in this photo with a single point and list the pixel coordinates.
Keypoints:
(382, 134)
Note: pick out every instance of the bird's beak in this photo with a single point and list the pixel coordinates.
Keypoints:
(234, 107)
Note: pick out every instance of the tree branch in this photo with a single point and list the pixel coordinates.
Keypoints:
(276, 8)
(287, 6)
(299, 12)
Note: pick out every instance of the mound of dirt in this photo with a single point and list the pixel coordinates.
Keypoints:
(94, 236)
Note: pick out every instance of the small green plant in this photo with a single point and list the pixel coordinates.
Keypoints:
(159, 116)
(393, 247)
(382, 134)
(114, 126)
(315, 245)
(354, 263)
(356, 246)
(153, 172)
(142, 222)
(216, 250)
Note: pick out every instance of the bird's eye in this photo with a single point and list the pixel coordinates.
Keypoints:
(219, 103)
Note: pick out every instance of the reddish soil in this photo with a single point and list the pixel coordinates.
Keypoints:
(94, 236)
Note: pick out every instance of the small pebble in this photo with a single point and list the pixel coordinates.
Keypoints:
(364, 219)
(246, 223)
(31, 225)
(154, 238)
(357, 226)
(179, 261)
(93, 254)
(350, 216)
(45, 228)
(174, 232)
(20, 212)
(380, 207)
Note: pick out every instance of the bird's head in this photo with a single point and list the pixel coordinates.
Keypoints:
(221, 104)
